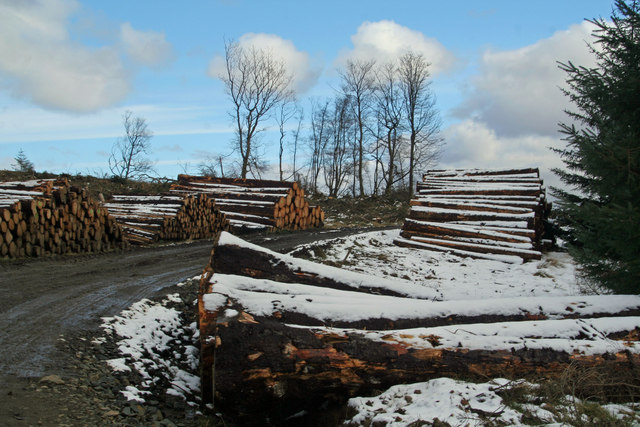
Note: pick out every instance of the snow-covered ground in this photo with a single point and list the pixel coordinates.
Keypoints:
(155, 343)
(451, 277)
(144, 330)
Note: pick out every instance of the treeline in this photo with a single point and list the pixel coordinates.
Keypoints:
(380, 129)
(375, 134)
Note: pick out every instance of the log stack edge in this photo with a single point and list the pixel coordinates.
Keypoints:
(49, 217)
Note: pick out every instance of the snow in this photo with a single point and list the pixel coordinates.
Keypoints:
(353, 279)
(247, 224)
(146, 332)
(118, 365)
(461, 403)
(450, 401)
(449, 276)
(264, 297)
(133, 393)
(470, 287)
(560, 335)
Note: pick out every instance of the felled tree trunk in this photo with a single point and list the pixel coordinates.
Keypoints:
(283, 338)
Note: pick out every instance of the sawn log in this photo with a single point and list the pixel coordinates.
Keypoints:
(283, 337)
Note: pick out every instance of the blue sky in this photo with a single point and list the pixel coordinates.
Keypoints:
(69, 69)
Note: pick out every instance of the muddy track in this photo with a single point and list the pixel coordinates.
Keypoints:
(42, 299)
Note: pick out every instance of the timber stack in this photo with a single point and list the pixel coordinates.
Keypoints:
(146, 219)
(47, 217)
(479, 214)
(253, 205)
(288, 336)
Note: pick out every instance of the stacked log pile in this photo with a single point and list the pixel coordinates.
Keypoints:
(45, 217)
(148, 218)
(283, 338)
(255, 204)
(478, 213)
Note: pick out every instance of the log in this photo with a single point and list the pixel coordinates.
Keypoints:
(531, 172)
(239, 182)
(452, 215)
(412, 227)
(471, 249)
(299, 336)
(471, 206)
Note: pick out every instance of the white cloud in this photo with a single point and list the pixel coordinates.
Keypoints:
(298, 63)
(385, 41)
(472, 144)
(41, 62)
(518, 92)
(146, 47)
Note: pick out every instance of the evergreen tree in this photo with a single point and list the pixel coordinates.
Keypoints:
(602, 155)
(23, 164)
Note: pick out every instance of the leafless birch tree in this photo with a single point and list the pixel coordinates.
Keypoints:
(358, 83)
(390, 114)
(287, 110)
(336, 169)
(422, 118)
(256, 82)
(317, 143)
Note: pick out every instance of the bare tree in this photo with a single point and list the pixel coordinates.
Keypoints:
(341, 123)
(127, 159)
(317, 142)
(296, 139)
(286, 111)
(422, 118)
(390, 113)
(212, 165)
(256, 82)
(358, 83)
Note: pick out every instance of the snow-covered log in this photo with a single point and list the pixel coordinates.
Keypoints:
(44, 217)
(252, 204)
(479, 213)
(282, 336)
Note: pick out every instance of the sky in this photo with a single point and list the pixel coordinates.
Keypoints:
(69, 69)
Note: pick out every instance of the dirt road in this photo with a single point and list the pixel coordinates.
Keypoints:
(42, 299)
